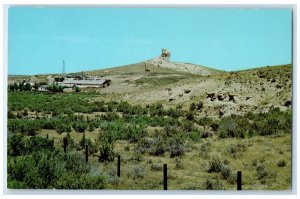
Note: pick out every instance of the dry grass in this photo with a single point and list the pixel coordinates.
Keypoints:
(190, 170)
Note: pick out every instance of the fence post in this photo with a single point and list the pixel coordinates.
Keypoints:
(65, 140)
(86, 153)
(165, 177)
(239, 180)
(47, 136)
(119, 166)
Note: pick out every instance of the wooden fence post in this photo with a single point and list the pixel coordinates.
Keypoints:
(165, 177)
(119, 166)
(86, 153)
(239, 180)
(65, 140)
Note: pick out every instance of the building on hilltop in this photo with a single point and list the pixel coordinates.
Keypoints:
(165, 53)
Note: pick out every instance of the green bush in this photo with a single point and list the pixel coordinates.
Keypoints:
(227, 174)
(281, 163)
(156, 167)
(176, 145)
(78, 181)
(137, 172)
(215, 164)
(234, 127)
(62, 127)
(80, 126)
(106, 142)
(236, 150)
(205, 149)
(262, 173)
(16, 145)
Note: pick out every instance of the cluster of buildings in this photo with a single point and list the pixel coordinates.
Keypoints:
(69, 82)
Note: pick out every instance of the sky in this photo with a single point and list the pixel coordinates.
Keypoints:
(40, 38)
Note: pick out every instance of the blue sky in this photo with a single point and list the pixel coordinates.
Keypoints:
(39, 39)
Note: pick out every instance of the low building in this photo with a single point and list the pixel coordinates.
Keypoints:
(43, 88)
(74, 82)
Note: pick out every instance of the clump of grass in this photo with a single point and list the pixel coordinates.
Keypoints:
(205, 149)
(281, 163)
(127, 148)
(156, 167)
(236, 150)
(114, 180)
(215, 164)
(226, 173)
(262, 173)
(211, 184)
(137, 172)
(178, 163)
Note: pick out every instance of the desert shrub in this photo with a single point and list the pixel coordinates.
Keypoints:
(154, 146)
(174, 113)
(178, 163)
(262, 173)
(80, 126)
(271, 123)
(127, 148)
(106, 142)
(176, 145)
(40, 169)
(205, 149)
(281, 163)
(137, 172)
(215, 164)
(114, 180)
(199, 105)
(192, 106)
(75, 163)
(110, 116)
(143, 145)
(226, 173)
(194, 135)
(11, 115)
(70, 142)
(205, 121)
(158, 143)
(214, 126)
(212, 184)
(16, 145)
(78, 181)
(189, 116)
(37, 143)
(156, 167)
(63, 127)
(233, 126)
(187, 126)
(236, 149)
(156, 109)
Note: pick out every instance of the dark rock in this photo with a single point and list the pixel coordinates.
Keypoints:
(186, 91)
(288, 103)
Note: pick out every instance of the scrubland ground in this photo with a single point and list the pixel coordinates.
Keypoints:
(205, 126)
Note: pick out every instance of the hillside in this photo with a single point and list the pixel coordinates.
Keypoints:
(171, 83)
(181, 122)
(223, 93)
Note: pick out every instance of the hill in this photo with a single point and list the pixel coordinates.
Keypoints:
(222, 93)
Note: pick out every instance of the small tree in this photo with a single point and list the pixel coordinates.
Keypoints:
(36, 86)
(106, 147)
(27, 87)
(77, 89)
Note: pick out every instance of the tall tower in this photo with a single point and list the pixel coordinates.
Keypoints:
(64, 69)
